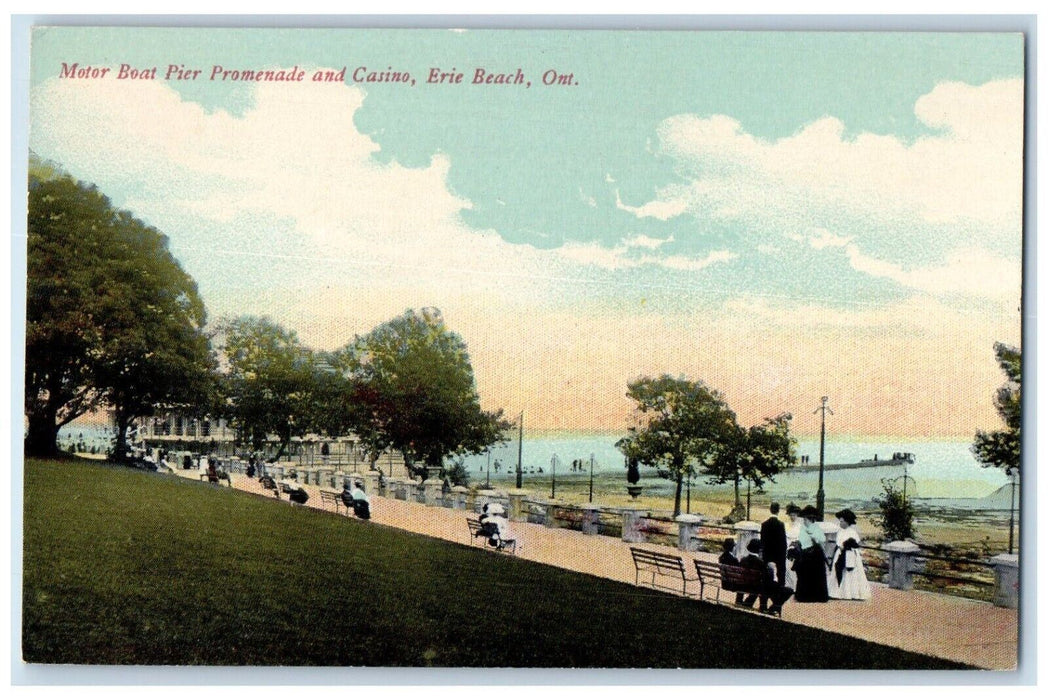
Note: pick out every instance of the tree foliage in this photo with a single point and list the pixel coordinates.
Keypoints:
(1002, 448)
(680, 427)
(112, 319)
(755, 454)
(270, 382)
(414, 391)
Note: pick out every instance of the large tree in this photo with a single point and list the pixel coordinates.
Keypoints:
(112, 319)
(755, 454)
(1001, 448)
(680, 427)
(270, 381)
(414, 391)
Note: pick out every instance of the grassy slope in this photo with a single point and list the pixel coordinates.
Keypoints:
(125, 567)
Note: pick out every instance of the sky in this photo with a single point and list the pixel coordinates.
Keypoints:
(784, 216)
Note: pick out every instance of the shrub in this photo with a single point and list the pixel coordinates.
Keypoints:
(896, 517)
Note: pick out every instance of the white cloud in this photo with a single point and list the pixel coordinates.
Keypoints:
(825, 239)
(970, 272)
(965, 175)
(663, 210)
(618, 257)
(642, 241)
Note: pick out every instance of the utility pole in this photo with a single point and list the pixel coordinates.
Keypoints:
(553, 467)
(520, 452)
(1011, 515)
(820, 495)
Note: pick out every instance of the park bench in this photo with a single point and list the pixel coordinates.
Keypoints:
(737, 579)
(334, 497)
(222, 476)
(660, 565)
(477, 529)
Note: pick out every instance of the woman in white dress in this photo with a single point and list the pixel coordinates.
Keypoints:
(847, 577)
(793, 535)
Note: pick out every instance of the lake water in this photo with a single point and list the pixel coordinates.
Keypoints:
(943, 469)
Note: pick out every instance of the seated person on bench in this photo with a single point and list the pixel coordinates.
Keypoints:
(361, 506)
(495, 525)
(728, 557)
(773, 590)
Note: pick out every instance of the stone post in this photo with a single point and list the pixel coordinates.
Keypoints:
(516, 512)
(688, 532)
(1006, 580)
(371, 480)
(550, 516)
(631, 521)
(458, 497)
(590, 520)
(902, 563)
(277, 472)
(410, 490)
(432, 492)
(745, 532)
(327, 478)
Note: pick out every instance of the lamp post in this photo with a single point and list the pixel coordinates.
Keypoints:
(591, 479)
(820, 495)
(487, 481)
(553, 468)
(520, 452)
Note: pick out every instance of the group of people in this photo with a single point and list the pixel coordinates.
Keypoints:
(841, 576)
(794, 562)
(355, 498)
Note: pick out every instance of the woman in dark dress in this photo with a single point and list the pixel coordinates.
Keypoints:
(810, 564)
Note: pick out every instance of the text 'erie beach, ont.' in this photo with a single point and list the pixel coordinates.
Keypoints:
(176, 72)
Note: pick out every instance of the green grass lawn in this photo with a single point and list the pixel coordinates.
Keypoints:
(125, 567)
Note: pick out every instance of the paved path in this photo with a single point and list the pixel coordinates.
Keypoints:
(949, 627)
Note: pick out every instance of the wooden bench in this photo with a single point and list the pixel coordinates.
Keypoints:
(737, 579)
(222, 476)
(663, 565)
(476, 529)
(334, 497)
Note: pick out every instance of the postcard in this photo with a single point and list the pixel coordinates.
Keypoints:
(523, 349)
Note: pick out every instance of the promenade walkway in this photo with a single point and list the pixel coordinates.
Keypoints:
(949, 627)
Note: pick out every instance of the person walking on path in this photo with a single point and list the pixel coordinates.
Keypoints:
(811, 562)
(793, 545)
(847, 578)
(773, 543)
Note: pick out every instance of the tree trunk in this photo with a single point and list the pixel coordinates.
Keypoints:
(42, 437)
(120, 449)
(738, 498)
(676, 496)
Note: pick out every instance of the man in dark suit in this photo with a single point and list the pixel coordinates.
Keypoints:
(773, 543)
